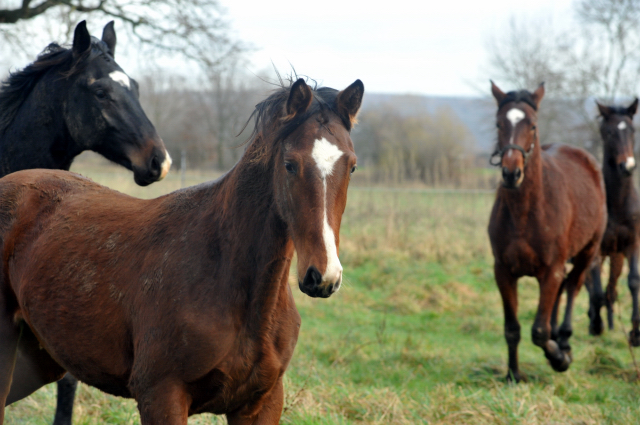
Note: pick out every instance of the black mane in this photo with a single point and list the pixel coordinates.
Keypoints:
(519, 96)
(17, 87)
(324, 99)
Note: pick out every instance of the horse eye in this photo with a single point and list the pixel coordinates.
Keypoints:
(353, 169)
(291, 168)
(533, 127)
(101, 94)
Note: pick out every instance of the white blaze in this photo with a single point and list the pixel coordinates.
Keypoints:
(515, 115)
(622, 125)
(120, 78)
(325, 155)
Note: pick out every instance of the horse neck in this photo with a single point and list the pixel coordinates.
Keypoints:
(530, 194)
(261, 246)
(37, 136)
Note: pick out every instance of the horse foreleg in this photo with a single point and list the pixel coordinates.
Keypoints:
(617, 261)
(270, 412)
(550, 284)
(66, 394)
(593, 282)
(166, 403)
(9, 336)
(634, 286)
(554, 313)
(508, 286)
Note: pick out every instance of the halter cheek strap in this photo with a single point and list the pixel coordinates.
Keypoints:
(499, 153)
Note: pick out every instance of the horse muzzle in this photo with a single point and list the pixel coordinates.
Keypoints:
(156, 168)
(626, 168)
(314, 285)
(512, 179)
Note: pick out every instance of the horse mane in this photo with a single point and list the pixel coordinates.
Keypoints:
(519, 96)
(269, 124)
(17, 87)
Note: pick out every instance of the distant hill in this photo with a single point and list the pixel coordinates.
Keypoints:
(477, 114)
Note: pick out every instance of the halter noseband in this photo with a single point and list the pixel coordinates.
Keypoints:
(500, 153)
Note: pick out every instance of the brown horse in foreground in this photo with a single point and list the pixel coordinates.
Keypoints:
(621, 239)
(549, 209)
(181, 302)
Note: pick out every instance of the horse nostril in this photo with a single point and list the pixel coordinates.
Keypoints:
(312, 277)
(518, 173)
(505, 172)
(155, 165)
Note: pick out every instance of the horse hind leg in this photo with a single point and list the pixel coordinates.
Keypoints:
(634, 286)
(34, 367)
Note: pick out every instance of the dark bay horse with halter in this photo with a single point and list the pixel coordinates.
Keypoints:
(69, 101)
(550, 208)
(72, 100)
(181, 302)
(621, 238)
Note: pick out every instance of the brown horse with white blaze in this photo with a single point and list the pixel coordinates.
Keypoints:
(550, 208)
(181, 302)
(621, 239)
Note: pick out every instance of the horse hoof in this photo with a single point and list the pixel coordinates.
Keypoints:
(561, 364)
(515, 377)
(634, 338)
(596, 327)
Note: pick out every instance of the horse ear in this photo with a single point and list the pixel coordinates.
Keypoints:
(633, 108)
(349, 100)
(538, 94)
(81, 40)
(109, 37)
(300, 98)
(605, 111)
(497, 93)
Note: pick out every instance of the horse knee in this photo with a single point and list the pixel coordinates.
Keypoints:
(540, 335)
(512, 334)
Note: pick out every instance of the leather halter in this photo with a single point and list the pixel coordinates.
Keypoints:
(500, 153)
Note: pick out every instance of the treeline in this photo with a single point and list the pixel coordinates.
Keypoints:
(419, 146)
(395, 145)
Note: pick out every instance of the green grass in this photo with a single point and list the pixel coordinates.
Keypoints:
(415, 334)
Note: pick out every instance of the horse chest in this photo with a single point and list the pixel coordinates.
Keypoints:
(250, 370)
(524, 248)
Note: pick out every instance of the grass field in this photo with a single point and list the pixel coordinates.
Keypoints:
(415, 334)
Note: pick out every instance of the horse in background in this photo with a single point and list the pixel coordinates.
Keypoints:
(549, 208)
(69, 101)
(72, 100)
(182, 302)
(621, 239)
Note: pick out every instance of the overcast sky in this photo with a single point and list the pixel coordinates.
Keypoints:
(398, 46)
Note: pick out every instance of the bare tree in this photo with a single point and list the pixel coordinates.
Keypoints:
(599, 58)
(194, 29)
(610, 60)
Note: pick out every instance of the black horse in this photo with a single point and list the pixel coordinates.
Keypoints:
(622, 238)
(69, 101)
(72, 100)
